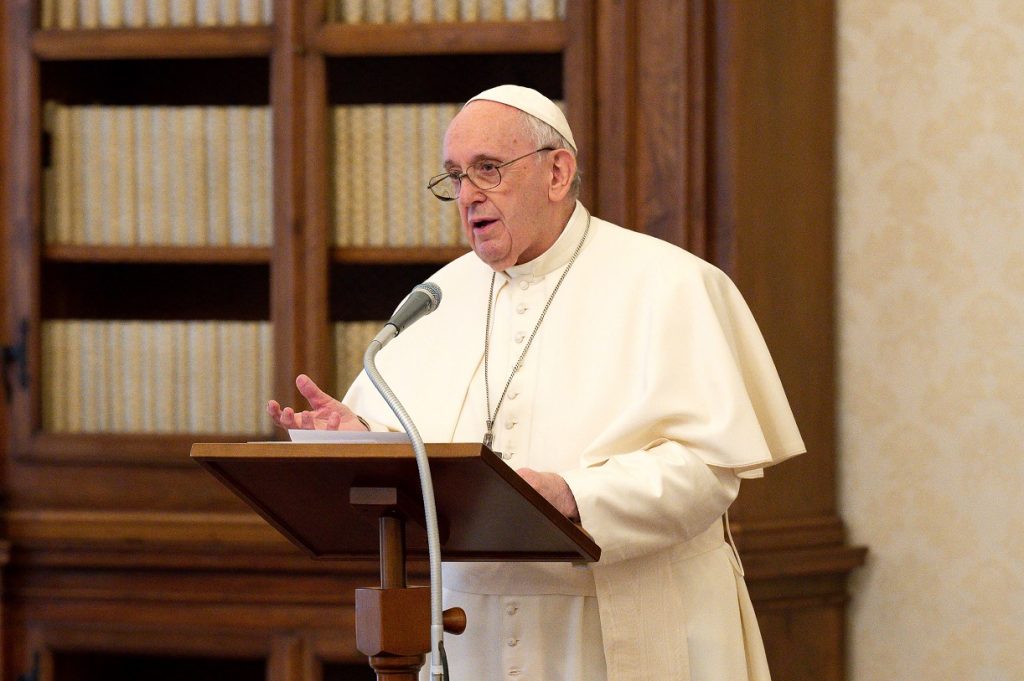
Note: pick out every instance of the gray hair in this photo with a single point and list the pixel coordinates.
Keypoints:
(543, 135)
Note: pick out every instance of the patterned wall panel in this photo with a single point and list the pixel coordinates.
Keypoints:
(931, 310)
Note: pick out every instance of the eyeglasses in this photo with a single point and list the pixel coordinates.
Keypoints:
(483, 174)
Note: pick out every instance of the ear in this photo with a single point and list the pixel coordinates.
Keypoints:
(563, 169)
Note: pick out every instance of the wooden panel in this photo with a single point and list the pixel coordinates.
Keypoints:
(288, 90)
(152, 42)
(773, 201)
(451, 38)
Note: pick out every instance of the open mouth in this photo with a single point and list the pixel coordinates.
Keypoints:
(481, 223)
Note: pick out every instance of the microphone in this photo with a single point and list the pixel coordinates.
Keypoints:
(423, 300)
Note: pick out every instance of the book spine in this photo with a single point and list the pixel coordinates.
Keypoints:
(543, 10)
(423, 11)
(262, 173)
(76, 362)
(89, 13)
(517, 10)
(48, 14)
(67, 14)
(51, 375)
(230, 12)
(240, 225)
(127, 173)
(217, 170)
(183, 12)
(158, 13)
(358, 198)
(342, 176)
(206, 13)
(194, 146)
(164, 173)
(134, 13)
(250, 12)
(353, 11)
(492, 10)
(145, 178)
(111, 14)
(181, 379)
(108, 163)
(376, 146)
(400, 11)
(430, 155)
(396, 190)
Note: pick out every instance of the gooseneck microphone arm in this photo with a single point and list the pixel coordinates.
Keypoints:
(414, 308)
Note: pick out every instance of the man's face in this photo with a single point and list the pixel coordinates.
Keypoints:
(510, 223)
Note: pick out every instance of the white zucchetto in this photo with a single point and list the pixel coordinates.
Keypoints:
(533, 103)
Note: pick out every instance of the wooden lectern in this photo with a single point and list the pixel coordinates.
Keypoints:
(353, 501)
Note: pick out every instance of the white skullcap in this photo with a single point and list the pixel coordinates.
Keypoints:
(532, 102)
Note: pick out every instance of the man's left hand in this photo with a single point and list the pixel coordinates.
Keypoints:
(553, 488)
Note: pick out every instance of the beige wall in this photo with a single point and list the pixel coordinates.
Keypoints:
(931, 280)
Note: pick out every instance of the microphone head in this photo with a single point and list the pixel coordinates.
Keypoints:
(433, 291)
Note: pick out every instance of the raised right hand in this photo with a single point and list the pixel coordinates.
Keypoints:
(325, 413)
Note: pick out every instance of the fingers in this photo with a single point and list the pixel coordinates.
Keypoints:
(327, 412)
(334, 421)
(275, 413)
(316, 397)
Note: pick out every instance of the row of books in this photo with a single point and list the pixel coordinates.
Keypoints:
(155, 377)
(202, 176)
(170, 377)
(93, 14)
(425, 11)
(158, 175)
(383, 157)
(90, 14)
(350, 342)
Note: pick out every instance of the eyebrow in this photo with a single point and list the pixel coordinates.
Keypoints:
(448, 163)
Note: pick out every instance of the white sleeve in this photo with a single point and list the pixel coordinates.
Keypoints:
(645, 501)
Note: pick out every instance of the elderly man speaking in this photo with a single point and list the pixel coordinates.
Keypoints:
(622, 377)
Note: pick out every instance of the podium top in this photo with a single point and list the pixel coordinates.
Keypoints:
(485, 510)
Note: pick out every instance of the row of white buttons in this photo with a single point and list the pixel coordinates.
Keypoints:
(512, 641)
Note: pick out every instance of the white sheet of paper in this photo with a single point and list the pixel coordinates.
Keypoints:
(345, 436)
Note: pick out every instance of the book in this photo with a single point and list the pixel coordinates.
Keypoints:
(341, 164)
(89, 13)
(158, 13)
(145, 174)
(396, 182)
(111, 13)
(183, 12)
(261, 174)
(217, 170)
(124, 228)
(241, 228)
(163, 171)
(517, 10)
(134, 14)
(544, 10)
(104, 228)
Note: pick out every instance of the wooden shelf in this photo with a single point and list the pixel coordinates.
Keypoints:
(383, 255)
(124, 449)
(511, 37)
(235, 41)
(157, 254)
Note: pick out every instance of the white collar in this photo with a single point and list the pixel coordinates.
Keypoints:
(557, 255)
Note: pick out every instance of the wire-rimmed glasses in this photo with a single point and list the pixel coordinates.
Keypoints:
(483, 174)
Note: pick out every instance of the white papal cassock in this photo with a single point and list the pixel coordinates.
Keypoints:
(649, 389)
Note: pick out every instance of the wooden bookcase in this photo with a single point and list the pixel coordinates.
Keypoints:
(123, 557)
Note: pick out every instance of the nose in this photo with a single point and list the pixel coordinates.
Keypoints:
(469, 193)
